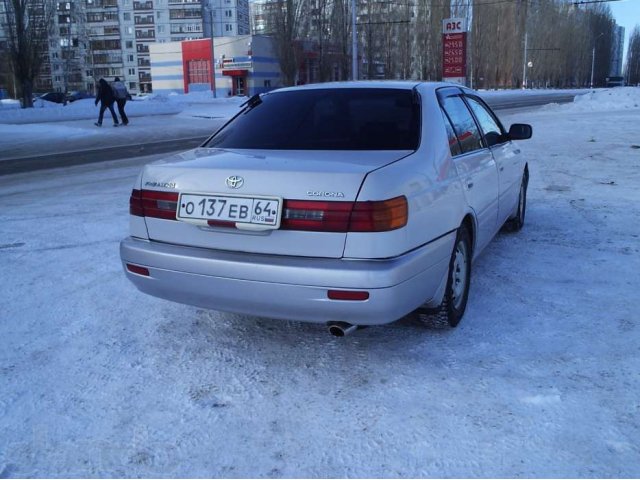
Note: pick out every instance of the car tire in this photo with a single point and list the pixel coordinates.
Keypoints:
(516, 223)
(454, 302)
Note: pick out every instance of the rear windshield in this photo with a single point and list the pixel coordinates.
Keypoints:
(327, 119)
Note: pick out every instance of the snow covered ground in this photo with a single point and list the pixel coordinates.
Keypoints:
(541, 378)
(54, 128)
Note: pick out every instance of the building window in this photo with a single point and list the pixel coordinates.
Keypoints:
(132, 71)
(129, 44)
(199, 71)
(267, 83)
(158, 15)
(160, 28)
(132, 85)
(228, 27)
(127, 16)
(130, 58)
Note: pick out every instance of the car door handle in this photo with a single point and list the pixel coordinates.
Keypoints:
(501, 169)
(469, 185)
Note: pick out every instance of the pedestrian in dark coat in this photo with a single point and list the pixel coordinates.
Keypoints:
(121, 94)
(106, 98)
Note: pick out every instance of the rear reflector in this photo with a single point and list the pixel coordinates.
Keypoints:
(139, 270)
(347, 295)
(150, 203)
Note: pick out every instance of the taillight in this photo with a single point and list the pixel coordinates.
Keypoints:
(317, 216)
(150, 203)
(323, 216)
(135, 203)
(379, 216)
(306, 215)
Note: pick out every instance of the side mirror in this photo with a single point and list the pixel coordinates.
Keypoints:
(520, 131)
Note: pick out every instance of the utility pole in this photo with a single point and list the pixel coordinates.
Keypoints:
(593, 58)
(524, 64)
(354, 43)
(209, 8)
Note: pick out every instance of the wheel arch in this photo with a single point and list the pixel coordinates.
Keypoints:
(469, 222)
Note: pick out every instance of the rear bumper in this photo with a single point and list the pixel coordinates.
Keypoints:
(290, 288)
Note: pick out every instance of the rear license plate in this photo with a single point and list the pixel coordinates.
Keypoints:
(256, 210)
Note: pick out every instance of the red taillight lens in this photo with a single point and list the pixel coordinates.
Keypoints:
(149, 203)
(135, 203)
(316, 216)
(379, 216)
(322, 216)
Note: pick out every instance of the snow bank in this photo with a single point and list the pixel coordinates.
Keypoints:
(204, 103)
(621, 98)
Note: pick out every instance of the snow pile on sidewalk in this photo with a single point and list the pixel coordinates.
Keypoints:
(621, 98)
(203, 102)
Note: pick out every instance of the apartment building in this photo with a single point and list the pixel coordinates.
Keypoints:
(226, 18)
(91, 39)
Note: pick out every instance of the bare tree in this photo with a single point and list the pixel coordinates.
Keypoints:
(27, 24)
(285, 17)
(633, 58)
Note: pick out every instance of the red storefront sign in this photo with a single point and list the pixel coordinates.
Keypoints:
(454, 49)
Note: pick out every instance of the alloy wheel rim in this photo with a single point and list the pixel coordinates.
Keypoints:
(459, 280)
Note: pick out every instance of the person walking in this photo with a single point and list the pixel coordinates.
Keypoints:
(121, 94)
(106, 98)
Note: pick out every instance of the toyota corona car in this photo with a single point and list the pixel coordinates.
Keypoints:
(349, 204)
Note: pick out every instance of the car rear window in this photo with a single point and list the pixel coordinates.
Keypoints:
(327, 119)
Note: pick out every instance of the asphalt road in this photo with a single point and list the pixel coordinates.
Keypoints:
(65, 159)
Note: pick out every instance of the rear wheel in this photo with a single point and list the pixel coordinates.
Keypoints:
(454, 303)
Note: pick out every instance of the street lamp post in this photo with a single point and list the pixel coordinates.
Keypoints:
(209, 9)
(593, 58)
(354, 43)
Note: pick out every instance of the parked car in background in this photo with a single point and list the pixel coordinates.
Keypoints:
(55, 97)
(78, 95)
(349, 204)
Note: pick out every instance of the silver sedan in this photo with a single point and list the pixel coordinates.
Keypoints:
(349, 204)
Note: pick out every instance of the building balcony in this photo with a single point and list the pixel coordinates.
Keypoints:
(145, 35)
(143, 77)
(143, 5)
(144, 63)
(144, 20)
(189, 14)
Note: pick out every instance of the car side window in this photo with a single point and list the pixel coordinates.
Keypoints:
(454, 145)
(490, 126)
(463, 124)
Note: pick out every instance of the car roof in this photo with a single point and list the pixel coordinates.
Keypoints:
(391, 84)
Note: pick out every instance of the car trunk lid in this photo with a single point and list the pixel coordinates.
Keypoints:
(328, 176)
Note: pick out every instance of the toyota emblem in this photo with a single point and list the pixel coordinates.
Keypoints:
(235, 181)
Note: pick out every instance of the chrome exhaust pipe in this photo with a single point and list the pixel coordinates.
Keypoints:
(340, 329)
